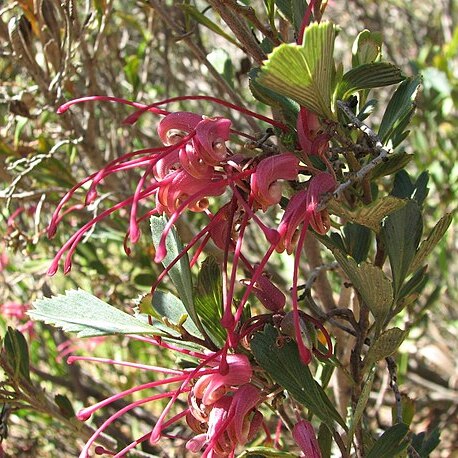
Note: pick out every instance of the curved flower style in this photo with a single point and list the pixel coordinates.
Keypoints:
(193, 165)
(221, 402)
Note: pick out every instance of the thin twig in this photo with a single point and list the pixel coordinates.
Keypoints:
(366, 169)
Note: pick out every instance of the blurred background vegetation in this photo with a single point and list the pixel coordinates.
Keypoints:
(52, 51)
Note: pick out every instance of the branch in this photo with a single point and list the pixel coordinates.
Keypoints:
(366, 169)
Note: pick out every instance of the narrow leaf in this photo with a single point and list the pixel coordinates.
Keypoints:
(387, 343)
(305, 72)
(399, 110)
(180, 273)
(392, 442)
(209, 300)
(206, 22)
(167, 305)
(370, 281)
(81, 312)
(394, 163)
(370, 215)
(282, 362)
(427, 246)
(17, 353)
(368, 76)
(401, 233)
(360, 407)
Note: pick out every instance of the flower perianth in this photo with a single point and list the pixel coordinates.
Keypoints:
(305, 438)
(265, 187)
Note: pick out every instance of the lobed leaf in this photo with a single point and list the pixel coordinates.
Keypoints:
(88, 316)
(304, 72)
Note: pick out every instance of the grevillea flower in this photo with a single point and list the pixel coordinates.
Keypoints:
(234, 420)
(305, 438)
(214, 384)
(265, 185)
(310, 134)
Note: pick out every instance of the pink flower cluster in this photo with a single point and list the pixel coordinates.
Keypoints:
(195, 164)
(221, 407)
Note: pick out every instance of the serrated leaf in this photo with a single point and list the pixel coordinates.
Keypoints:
(386, 344)
(166, 305)
(206, 22)
(428, 245)
(209, 300)
(399, 110)
(285, 367)
(366, 48)
(370, 215)
(180, 273)
(392, 442)
(360, 407)
(17, 353)
(305, 72)
(401, 233)
(370, 281)
(81, 312)
(368, 76)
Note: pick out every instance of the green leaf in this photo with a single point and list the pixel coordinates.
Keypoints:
(266, 452)
(424, 443)
(415, 284)
(368, 76)
(403, 187)
(360, 407)
(65, 406)
(392, 442)
(370, 281)
(17, 353)
(206, 22)
(180, 273)
(166, 307)
(394, 163)
(427, 246)
(325, 441)
(305, 72)
(293, 10)
(209, 300)
(399, 111)
(288, 107)
(366, 48)
(401, 233)
(357, 241)
(285, 367)
(370, 215)
(81, 312)
(386, 344)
